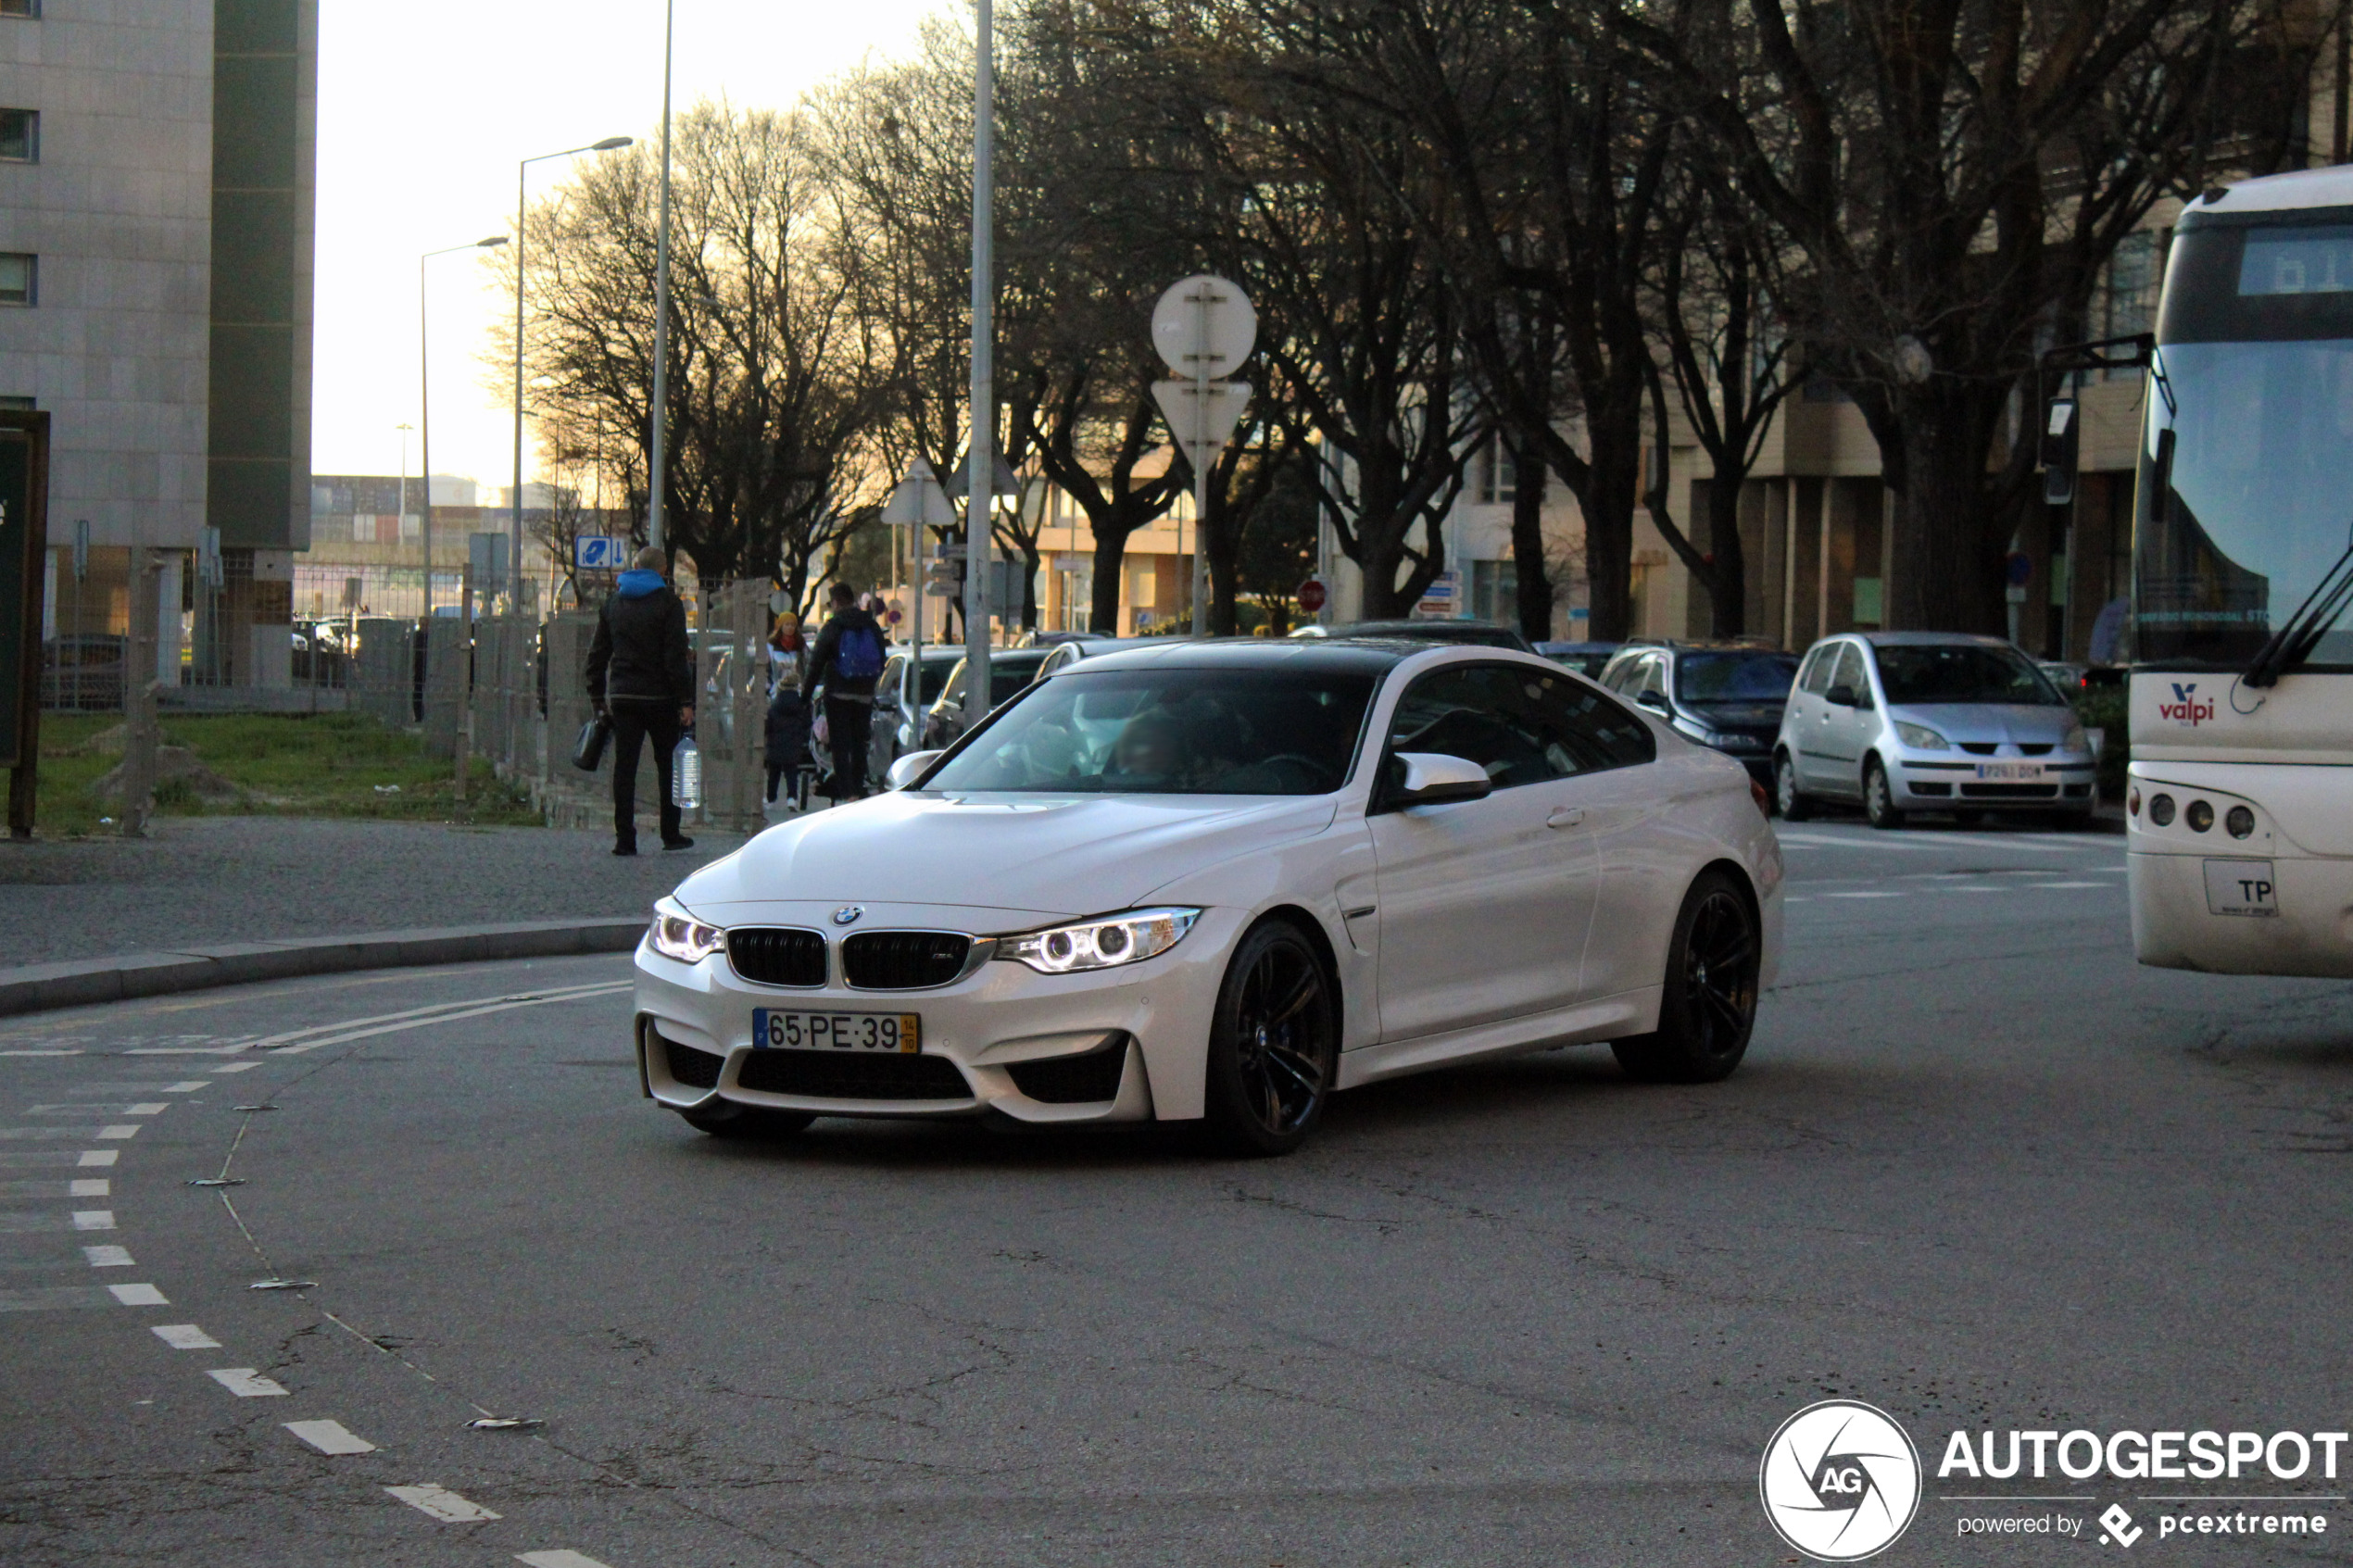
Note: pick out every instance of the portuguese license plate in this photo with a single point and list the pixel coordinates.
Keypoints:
(776, 1030)
(2010, 773)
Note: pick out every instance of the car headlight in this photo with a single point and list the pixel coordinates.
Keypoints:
(1698, 731)
(2074, 738)
(1100, 943)
(1919, 737)
(677, 934)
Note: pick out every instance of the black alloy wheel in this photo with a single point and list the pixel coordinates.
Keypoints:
(1708, 1004)
(1792, 803)
(1879, 796)
(1274, 1045)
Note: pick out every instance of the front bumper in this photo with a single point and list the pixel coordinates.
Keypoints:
(1117, 1044)
(1931, 782)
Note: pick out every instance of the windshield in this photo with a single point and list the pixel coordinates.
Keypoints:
(1915, 674)
(1735, 677)
(1170, 732)
(2247, 471)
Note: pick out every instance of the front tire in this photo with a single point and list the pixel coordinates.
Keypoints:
(1795, 804)
(1274, 1044)
(1707, 1007)
(723, 1119)
(1878, 797)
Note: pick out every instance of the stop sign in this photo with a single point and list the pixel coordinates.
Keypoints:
(1311, 596)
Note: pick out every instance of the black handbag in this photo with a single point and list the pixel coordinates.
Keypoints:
(589, 749)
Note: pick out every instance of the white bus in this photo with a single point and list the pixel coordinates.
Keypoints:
(2240, 805)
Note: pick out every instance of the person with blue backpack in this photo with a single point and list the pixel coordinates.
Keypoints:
(848, 662)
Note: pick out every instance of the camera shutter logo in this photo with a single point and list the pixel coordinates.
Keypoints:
(1840, 1480)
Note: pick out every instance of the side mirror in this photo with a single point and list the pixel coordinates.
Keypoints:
(1840, 696)
(1433, 779)
(910, 768)
(1653, 699)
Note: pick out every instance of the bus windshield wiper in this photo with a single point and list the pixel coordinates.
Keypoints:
(2301, 632)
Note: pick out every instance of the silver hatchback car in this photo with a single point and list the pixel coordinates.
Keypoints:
(1907, 721)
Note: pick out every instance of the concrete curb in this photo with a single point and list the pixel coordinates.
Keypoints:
(80, 983)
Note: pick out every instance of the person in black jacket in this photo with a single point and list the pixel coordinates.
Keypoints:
(641, 676)
(847, 661)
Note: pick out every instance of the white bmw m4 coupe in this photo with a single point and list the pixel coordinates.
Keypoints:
(1219, 882)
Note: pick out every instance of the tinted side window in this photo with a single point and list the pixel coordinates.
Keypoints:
(1818, 665)
(1586, 729)
(1475, 712)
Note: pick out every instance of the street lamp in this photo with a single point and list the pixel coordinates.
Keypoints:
(514, 542)
(424, 395)
(655, 468)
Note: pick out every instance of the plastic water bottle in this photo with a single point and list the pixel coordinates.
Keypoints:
(685, 775)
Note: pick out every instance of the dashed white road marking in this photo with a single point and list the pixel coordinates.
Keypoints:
(125, 1130)
(247, 1384)
(187, 1088)
(88, 1186)
(2058, 884)
(557, 1560)
(185, 1336)
(143, 1107)
(496, 1004)
(333, 1437)
(55, 1186)
(107, 1256)
(94, 1219)
(139, 1296)
(440, 1502)
(238, 1066)
(40, 1053)
(99, 1156)
(1875, 893)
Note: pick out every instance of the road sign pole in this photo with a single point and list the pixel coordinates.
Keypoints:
(1201, 465)
(980, 489)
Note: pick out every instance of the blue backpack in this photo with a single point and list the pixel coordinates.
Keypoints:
(859, 656)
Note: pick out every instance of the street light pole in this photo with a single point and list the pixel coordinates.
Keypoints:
(655, 468)
(425, 398)
(981, 472)
(514, 509)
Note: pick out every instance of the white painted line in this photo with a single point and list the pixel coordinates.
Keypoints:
(40, 1053)
(138, 1296)
(1968, 888)
(185, 1050)
(94, 1219)
(331, 1438)
(442, 1503)
(187, 1088)
(238, 1066)
(185, 1336)
(1862, 895)
(100, 1156)
(517, 998)
(447, 1018)
(107, 1256)
(247, 1384)
(148, 1107)
(557, 1560)
(1814, 841)
(126, 1130)
(88, 1186)
(2058, 884)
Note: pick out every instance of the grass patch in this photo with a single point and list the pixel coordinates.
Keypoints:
(284, 764)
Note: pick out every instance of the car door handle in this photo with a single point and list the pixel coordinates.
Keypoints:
(1566, 817)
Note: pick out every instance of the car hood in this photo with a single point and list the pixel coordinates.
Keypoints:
(1983, 722)
(1740, 715)
(1046, 855)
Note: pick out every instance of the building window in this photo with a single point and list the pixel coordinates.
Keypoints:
(16, 272)
(1495, 591)
(1498, 474)
(19, 7)
(20, 136)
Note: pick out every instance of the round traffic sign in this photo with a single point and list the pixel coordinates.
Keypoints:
(1204, 326)
(2020, 567)
(1310, 594)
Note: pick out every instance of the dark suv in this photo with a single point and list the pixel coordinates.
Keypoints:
(1726, 697)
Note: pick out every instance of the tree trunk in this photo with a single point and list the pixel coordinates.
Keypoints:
(1379, 559)
(1535, 582)
(1222, 622)
(1948, 564)
(1728, 593)
(1111, 554)
(1611, 486)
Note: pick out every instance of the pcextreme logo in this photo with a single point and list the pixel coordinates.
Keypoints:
(2186, 710)
(1840, 1480)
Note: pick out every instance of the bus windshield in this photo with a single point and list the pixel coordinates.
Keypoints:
(2246, 471)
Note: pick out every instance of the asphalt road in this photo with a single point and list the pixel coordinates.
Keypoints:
(1979, 1170)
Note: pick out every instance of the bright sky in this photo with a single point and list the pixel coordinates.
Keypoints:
(424, 110)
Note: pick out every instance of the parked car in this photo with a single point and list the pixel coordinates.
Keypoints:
(1730, 698)
(1009, 671)
(904, 702)
(84, 671)
(1478, 633)
(1900, 721)
(1588, 659)
(1219, 882)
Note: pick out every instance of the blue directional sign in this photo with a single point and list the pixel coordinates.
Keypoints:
(593, 552)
